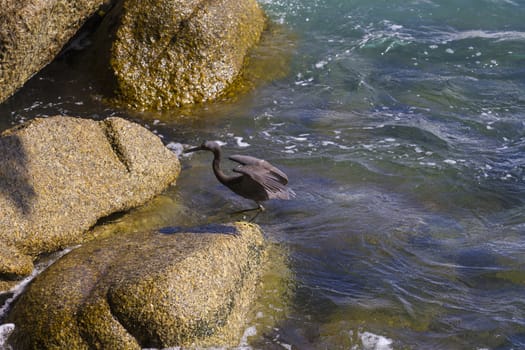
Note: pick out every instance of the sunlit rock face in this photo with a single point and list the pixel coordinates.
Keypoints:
(59, 175)
(172, 53)
(174, 287)
(32, 33)
(165, 53)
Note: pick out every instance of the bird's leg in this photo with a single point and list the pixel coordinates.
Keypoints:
(255, 216)
(259, 208)
(247, 210)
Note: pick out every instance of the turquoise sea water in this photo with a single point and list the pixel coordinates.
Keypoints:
(401, 125)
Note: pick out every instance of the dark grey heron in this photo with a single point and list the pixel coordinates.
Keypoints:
(256, 179)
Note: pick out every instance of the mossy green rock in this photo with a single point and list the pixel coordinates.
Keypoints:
(145, 289)
(59, 175)
(32, 33)
(171, 53)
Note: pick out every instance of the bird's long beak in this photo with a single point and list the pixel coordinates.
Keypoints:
(194, 149)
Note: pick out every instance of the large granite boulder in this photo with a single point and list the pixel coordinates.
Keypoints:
(170, 53)
(177, 287)
(32, 33)
(59, 175)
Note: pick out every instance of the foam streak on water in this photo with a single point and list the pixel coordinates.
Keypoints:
(375, 342)
(20, 287)
(7, 328)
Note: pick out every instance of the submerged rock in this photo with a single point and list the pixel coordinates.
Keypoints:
(59, 175)
(32, 33)
(183, 287)
(171, 53)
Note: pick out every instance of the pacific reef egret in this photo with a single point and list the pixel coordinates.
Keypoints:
(255, 179)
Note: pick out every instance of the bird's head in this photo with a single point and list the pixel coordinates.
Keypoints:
(212, 146)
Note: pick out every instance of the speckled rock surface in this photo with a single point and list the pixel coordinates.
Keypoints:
(171, 53)
(59, 175)
(32, 33)
(146, 289)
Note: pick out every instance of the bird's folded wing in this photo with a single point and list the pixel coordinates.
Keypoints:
(277, 174)
(270, 181)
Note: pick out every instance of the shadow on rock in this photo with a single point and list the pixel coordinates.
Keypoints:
(14, 183)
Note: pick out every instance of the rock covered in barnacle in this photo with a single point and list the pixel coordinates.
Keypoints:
(59, 175)
(171, 53)
(32, 33)
(145, 289)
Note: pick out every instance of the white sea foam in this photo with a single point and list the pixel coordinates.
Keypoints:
(248, 332)
(385, 34)
(5, 330)
(175, 147)
(305, 82)
(240, 142)
(335, 144)
(321, 64)
(299, 138)
(373, 341)
(20, 287)
(498, 36)
(430, 164)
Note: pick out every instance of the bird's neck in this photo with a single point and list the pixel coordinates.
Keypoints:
(222, 177)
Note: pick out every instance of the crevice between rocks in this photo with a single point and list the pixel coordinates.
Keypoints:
(114, 142)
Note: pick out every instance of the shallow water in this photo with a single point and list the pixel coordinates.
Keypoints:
(401, 125)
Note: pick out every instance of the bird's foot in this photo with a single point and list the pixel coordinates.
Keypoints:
(259, 209)
(245, 211)
(252, 219)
